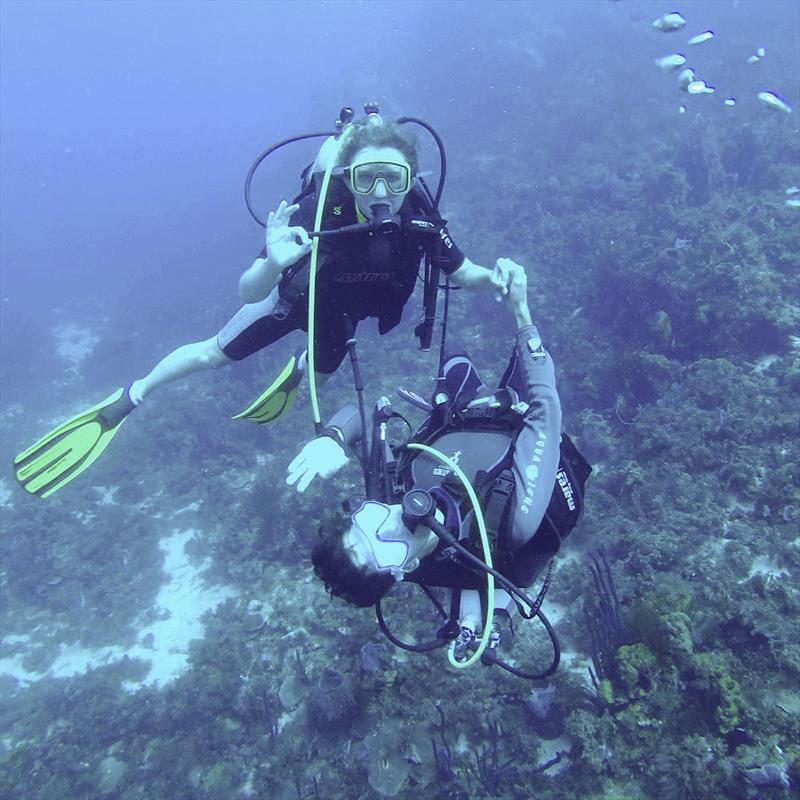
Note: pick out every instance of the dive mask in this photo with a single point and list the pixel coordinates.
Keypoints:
(384, 532)
(365, 176)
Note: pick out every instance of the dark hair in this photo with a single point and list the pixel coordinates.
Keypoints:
(359, 586)
(387, 135)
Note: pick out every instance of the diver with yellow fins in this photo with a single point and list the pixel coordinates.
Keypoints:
(356, 234)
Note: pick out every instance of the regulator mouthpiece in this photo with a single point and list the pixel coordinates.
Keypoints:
(383, 220)
(373, 114)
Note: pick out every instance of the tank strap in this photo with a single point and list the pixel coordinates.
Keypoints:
(495, 508)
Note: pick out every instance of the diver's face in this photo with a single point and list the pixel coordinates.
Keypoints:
(379, 176)
(379, 541)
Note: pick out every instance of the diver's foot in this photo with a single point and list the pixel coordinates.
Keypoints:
(502, 628)
(136, 392)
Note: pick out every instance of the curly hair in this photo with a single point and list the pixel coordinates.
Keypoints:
(390, 134)
(359, 586)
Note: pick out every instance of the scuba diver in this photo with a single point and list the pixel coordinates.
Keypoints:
(485, 490)
(356, 234)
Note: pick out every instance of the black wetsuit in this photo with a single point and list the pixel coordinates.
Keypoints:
(359, 275)
(531, 486)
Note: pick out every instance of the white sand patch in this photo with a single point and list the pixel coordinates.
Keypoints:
(263, 459)
(5, 495)
(186, 599)
(549, 749)
(286, 717)
(764, 363)
(16, 639)
(567, 557)
(195, 506)
(74, 343)
(764, 565)
(13, 667)
(74, 659)
(555, 612)
(240, 479)
(106, 495)
(180, 604)
(577, 663)
(9, 413)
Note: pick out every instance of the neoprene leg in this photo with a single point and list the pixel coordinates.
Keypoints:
(181, 362)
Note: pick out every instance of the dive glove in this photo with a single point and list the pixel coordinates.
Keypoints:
(323, 456)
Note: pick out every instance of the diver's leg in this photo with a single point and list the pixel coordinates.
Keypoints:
(330, 345)
(471, 613)
(302, 365)
(253, 327)
(181, 362)
(462, 381)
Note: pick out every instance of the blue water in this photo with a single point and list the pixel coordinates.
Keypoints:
(658, 245)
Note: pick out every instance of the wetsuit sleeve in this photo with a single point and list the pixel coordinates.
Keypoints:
(347, 420)
(444, 252)
(537, 447)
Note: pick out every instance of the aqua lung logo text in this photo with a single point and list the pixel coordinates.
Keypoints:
(566, 489)
(443, 472)
(362, 277)
(532, 474)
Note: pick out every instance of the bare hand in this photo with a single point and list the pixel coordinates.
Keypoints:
(509, 279)
(286, 244)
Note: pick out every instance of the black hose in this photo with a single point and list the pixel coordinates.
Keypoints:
(442, 155)
(414, 648)
(255, 165)
(490, 658)
(358, 382)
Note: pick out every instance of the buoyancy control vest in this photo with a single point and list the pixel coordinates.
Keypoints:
(363, 274)
(484, 452)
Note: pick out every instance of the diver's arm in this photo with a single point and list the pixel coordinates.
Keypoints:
(345, 424)
(258, 281)
(474, 277)
(285, 245)
(537, 447)
(324, 456)
(471, 276)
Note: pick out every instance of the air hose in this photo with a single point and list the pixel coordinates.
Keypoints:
(487, 555)
(312, 277)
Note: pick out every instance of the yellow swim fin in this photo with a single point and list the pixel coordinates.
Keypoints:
(72, 447)
(278, 397)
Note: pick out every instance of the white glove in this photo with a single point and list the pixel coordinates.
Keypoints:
(322, 456)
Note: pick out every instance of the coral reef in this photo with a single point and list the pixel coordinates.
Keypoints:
(662, 270)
